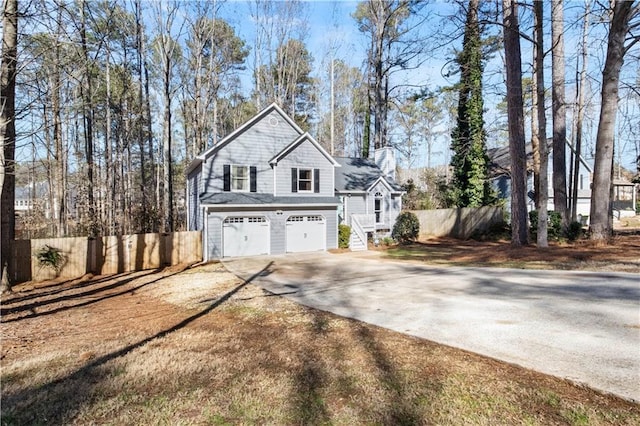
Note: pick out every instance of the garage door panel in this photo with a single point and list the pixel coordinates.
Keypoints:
(245, 236)
(306, 233)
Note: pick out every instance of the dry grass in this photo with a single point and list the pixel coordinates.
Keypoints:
(621, 254)
(201, 347)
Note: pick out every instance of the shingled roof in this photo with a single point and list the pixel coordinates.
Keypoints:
(359, 174)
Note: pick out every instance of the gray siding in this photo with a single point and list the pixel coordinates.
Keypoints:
(391, 205)
(304, 156)
(254, 147)
(356, 204)
(277, 224)
(396, 208)
(194, 188)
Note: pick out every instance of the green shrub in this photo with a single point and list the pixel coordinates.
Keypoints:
(574, 231)
(554, 227)
(406, 228)
(554, 224)
(388, 241)
(50, 257)
(344, 233)
(495, 232)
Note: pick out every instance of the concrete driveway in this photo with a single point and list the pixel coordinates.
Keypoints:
(581, 326)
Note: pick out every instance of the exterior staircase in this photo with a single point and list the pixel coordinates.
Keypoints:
(360, 225)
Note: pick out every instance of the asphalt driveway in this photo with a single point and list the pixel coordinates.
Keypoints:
(581, 326)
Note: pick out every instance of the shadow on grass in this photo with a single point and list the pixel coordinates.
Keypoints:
(57, 288)
(395, 404)
(73, 300)
(57, 401)
(400, 409)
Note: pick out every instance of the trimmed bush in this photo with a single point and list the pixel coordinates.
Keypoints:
(344, 233)
(406, 228)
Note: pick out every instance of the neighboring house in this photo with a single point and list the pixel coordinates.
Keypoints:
(500, 174)
(270, 188)
(27, 198)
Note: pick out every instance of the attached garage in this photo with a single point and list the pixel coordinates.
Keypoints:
(306, 233)
(245, 236)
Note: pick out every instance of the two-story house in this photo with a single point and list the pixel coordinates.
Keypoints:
(270, 188)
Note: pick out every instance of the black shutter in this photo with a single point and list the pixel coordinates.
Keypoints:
(316, 180)
(294, 180)
(226, 177)
(253, 184)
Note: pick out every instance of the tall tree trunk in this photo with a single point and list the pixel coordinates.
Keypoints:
(142, 225)
(366, 133)
(600, 217)
(542, 184)
(8, 141)
(516, 123)
(59, 155)
(559, 111)
(167, 180)
(579, 118)
(108, 153)
(87, 107)
(151, 221)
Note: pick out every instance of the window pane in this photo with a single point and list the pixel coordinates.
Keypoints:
(239, 178)
(305, 174)
(304, 180)
(304, 186)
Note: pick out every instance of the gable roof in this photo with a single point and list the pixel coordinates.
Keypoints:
(360, 175)
(297, 142)
(231, 136)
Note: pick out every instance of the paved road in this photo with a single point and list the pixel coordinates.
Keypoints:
(581, 326)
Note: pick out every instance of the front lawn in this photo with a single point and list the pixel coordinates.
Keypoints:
(621, 255)
(201, 347)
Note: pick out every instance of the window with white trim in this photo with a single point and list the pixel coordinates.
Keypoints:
(239, 178)
(305, 180)
(377, 207)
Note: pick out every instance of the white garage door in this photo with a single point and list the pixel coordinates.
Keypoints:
(245, 236)
(306, 233)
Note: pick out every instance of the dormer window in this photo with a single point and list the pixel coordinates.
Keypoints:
(305, 180)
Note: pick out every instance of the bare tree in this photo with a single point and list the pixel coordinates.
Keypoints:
(516, 123)
(8, 138)
(559, 110)
(168, 52)
(577, 151)
(395, 44)
(600, 215)
(282, 63)
(539, 129)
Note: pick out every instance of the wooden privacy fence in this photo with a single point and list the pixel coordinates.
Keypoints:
(107, 255)
(458, 223)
